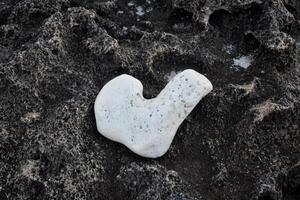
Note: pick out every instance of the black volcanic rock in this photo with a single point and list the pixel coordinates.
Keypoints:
(241, 142)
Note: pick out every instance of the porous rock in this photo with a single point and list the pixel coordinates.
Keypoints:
(238, 143)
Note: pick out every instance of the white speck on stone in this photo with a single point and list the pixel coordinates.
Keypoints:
(31, 169)
(147, 126)
(149, 9)
(247, 88)
(140, 11)
(30, 117)
(243, 61)
(229, 48)
(130, 4)
(178, 26)
(266, 108)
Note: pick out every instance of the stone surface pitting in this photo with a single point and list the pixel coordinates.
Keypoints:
(147, 126)
(55, 55)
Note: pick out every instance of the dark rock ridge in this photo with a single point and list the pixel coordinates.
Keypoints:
(241, 142)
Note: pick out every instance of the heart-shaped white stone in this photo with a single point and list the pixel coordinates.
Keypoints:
(147, 126)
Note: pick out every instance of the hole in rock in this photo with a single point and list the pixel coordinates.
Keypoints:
(180, 16)
(166, 63)
(251, 42)
(255, 10)
(54, 94)
(4, 14)
(36, 18)
(219, 17)
(291, 8)
(180, 20)
(266, 197)
(76, 3)
(291, 185)
(55, 51)
(233, 25)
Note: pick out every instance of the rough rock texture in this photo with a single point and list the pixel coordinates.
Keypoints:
(241, 142)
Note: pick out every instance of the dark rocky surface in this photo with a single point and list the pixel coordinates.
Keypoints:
(241, 142)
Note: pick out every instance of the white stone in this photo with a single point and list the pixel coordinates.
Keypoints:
(229, 49)
(140, 11)
(243, 61)
(147, 126)
(130, 4)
